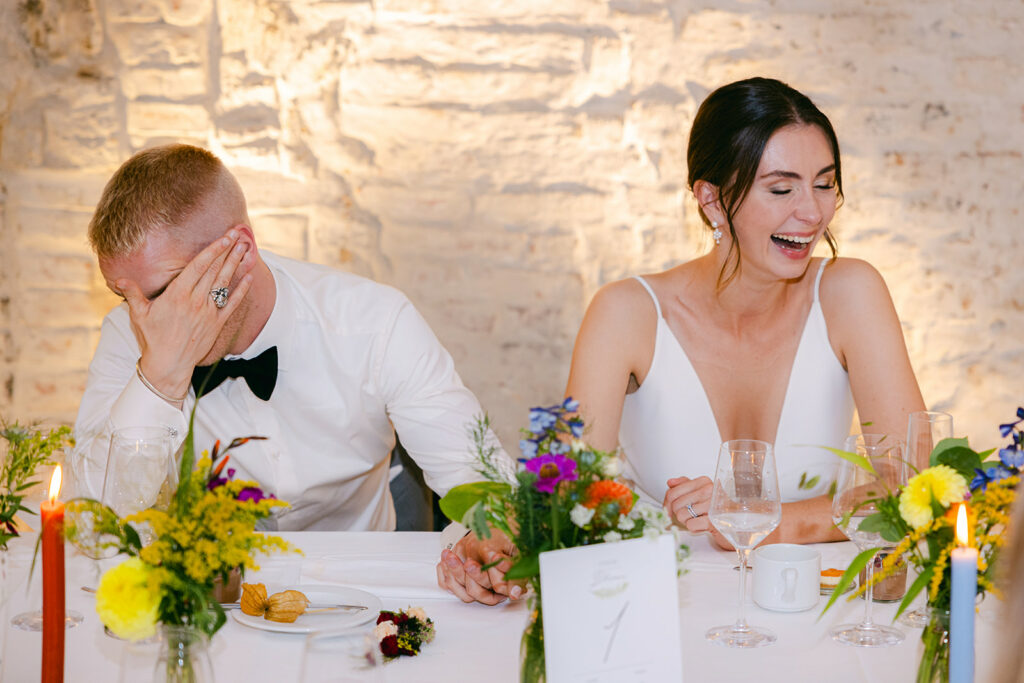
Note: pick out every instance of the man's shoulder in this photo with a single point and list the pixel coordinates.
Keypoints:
(336, 292)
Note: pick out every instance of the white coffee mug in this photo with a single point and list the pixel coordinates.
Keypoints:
(787, 577)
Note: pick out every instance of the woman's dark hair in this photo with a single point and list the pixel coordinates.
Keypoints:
(729, 135)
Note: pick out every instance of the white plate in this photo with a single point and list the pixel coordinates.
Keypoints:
(311, 623)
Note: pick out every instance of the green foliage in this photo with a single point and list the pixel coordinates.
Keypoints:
(849, 575)
(27, 450)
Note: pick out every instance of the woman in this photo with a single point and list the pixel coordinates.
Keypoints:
(755, 339)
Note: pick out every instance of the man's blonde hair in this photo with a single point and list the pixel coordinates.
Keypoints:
(157, 189)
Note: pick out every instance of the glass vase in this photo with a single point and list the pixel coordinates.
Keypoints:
(934, 666)
(531, 647)
(184, 656)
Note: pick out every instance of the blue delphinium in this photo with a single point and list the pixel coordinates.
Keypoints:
(1011, 458)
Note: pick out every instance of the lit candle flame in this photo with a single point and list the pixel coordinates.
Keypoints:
(962, 532)
(55, 483)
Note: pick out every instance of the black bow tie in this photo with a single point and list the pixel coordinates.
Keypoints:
(260, 374)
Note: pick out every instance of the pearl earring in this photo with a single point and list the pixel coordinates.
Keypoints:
(717, 234)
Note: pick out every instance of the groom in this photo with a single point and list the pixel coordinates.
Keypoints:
(326, 364)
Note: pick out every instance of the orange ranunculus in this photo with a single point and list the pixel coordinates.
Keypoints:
(607, 492)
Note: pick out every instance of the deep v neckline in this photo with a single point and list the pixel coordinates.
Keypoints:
(792, 365)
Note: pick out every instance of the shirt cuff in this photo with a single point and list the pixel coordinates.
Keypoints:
(452, 534)
(137, 406)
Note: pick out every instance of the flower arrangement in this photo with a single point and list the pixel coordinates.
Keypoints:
(207, 530)
(404, 632)
(921, 518)
(563, 495)
(27, 450)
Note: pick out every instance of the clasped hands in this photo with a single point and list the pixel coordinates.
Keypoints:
(461, 569)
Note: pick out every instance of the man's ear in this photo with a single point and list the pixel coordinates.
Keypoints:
(707, 198)
(246, 237)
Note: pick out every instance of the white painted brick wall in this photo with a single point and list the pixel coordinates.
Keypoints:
(500, 160)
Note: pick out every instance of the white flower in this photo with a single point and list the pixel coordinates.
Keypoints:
(417, 612)
(625, 523)
(612, 536)
(385, 629)
(581, 515)
(578, 446)
(653, 516)
(651, 531)
(611, 467)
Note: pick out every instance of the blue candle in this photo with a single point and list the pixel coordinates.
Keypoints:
(964, 563)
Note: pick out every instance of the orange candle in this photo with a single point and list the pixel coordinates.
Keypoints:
(51, 513)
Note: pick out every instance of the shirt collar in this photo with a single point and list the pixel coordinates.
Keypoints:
(280, 323)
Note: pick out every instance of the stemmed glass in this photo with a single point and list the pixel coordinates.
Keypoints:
(925, 429)
(745, 508)
(141, 470)
(857, 489)
(349, 655)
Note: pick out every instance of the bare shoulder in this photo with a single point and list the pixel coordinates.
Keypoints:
(852, 283)
(623, 303)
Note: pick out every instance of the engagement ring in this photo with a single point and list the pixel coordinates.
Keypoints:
(219, 296)
(689, 507)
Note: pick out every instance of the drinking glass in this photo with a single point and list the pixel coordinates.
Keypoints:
(745, 508)
(349, 655)
(925, 429)
(141, 470)
(857, 489)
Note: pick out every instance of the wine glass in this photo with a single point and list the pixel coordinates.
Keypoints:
(925, 429)
(141, 470)
(857, 489)
(349, 655)
(745, 508)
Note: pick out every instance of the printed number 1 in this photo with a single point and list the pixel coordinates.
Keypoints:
(614, 626)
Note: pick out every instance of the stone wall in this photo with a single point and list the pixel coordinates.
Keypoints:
(499, 160)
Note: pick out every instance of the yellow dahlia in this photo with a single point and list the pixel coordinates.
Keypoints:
(941, 483)
(127, 599)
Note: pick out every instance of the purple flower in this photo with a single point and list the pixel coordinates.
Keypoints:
(252, 494)
(570, 405)
(550, 470)
(576, 426)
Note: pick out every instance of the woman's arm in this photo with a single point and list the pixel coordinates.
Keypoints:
(616, 340)
(868, 338)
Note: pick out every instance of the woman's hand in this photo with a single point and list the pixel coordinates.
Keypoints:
(685, 495)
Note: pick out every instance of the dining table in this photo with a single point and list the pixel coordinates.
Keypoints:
(476, 642)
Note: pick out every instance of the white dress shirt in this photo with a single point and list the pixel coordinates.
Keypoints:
(355, 358)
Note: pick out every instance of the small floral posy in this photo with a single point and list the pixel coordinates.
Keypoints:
(921, 517)
(207, 530)
(403, 632)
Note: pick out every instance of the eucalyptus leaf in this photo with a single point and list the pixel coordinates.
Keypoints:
(526, 567)
(849, 575)
(960, 458)
(916, 587)
(943, 446)
(457, 502)
(858, 460)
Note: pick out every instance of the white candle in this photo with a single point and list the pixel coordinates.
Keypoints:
(964, 589)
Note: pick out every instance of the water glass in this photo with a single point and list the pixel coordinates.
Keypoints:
(745, 508)
(349, 655)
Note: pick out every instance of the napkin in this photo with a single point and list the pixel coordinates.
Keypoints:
(397, 577)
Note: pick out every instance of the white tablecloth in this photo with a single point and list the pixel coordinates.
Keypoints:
(479, 643)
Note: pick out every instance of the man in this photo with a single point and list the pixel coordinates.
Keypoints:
(334, 363)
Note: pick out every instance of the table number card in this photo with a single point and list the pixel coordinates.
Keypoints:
(611, 612)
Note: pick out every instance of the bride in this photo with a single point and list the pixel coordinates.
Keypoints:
(756, 339)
